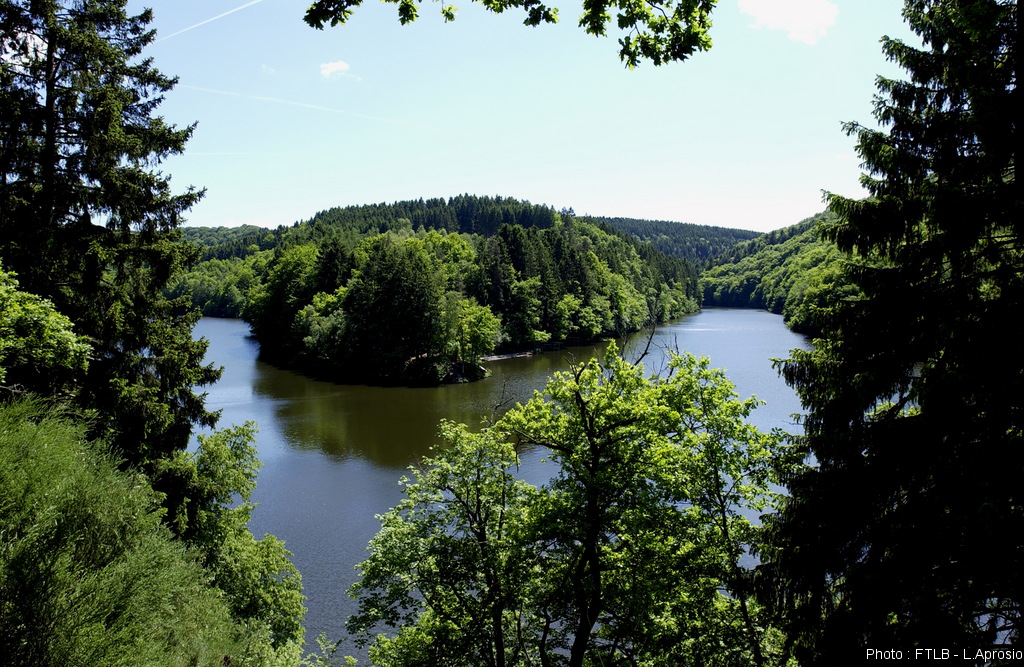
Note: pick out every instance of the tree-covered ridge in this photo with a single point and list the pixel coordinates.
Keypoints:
(466, 214)
(420, 290)
(696, 243)
(791, 271)
(228, 242)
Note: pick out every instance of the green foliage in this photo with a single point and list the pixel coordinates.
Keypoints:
(337, 298)
(274, 302)
(632, 552)
(327, 655)
(36, 341)
(696, 243)
(89, 575)
(393, 303)
(86, 220)
(232, 242)
(477, 330)
(219, 288)
(208, 493)
(907, 532)
(90, 227)
(660, 32)
(789, 271)
(452, 543)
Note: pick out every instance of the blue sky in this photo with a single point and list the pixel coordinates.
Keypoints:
(292, 120)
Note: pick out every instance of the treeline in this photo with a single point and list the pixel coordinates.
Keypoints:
(697, 243)
(465, 214)
(419, 291)
(227, 242)
(790, 271)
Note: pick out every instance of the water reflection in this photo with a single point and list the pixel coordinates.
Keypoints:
(394, 426)
(333, 454)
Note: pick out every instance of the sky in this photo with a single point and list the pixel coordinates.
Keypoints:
(291, 120)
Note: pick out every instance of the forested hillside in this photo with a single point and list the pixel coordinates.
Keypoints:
(697, 243)
(791, 271)
(418, 291)
(901, 527)
(464, 214)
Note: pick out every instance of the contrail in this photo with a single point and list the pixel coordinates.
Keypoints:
(218, 16)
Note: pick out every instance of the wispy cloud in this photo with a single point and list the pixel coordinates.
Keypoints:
(803, 20)
(318, 107)
(210, 20)
(337, 67)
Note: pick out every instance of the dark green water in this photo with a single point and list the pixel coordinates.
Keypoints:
(333, 454)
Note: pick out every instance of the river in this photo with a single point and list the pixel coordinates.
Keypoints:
(333, 454)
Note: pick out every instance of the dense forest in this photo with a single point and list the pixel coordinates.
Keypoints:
(469, 215)
(119, 544)
(696, 243)
(419, 291)
(790, 271)
(901, 526)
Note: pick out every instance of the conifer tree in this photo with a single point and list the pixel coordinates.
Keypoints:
(86, 219)
(907, 531)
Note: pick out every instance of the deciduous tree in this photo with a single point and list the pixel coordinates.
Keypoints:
(632, 553)
(37, 344)
(660, 32)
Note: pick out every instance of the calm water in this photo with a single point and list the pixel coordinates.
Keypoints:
(333, 454)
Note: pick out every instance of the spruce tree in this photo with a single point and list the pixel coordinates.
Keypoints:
(87, 220)
(906, 530)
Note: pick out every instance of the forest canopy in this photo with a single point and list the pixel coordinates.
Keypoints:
(791, 271)
(419, 291)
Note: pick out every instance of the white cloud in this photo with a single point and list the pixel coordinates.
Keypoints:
(339, 67)
(803, 20)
